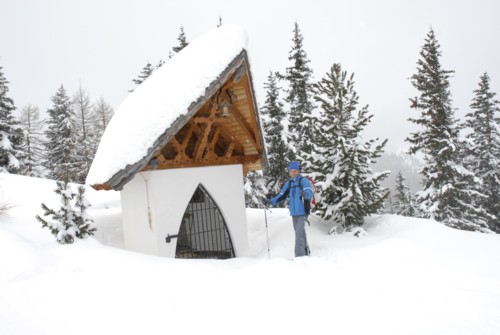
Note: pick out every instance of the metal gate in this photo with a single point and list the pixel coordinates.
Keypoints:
(203, 232)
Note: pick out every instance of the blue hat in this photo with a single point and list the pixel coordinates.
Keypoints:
(294, 166)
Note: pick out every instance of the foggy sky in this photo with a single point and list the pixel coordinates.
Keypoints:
(104, 44)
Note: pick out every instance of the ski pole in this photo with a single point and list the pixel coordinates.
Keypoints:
(267, 232)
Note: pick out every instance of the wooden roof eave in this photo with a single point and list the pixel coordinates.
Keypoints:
(264, 162)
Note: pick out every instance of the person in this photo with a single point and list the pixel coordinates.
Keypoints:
(297, 193)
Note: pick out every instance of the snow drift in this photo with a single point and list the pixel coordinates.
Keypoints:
(407, 276)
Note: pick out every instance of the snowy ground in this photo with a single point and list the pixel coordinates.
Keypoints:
(407, 276)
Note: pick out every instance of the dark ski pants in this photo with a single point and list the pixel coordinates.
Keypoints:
(301, 248)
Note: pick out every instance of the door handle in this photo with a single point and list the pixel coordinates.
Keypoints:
(170, 237)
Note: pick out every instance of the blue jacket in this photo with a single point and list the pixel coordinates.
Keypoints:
(296, 205)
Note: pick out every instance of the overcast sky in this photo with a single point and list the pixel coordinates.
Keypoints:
(104, 44)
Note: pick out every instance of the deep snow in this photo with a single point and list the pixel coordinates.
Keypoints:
(406, 276)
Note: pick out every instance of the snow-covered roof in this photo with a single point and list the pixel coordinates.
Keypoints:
(164, 98)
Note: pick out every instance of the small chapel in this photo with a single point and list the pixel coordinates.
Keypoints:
(178, 148)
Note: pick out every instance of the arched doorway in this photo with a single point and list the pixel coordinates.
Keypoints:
(203, 232)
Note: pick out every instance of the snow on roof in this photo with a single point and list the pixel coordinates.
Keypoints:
(167, 94)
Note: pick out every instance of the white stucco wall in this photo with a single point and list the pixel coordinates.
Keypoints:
(169, 192)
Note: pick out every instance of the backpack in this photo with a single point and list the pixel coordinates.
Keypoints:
(313, 185)
(308, 204)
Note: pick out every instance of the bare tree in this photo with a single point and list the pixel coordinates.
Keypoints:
(32, 126)
(84, 132)
(5, 205)
(102, 115)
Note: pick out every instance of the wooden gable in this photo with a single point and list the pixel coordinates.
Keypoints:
(225, 130)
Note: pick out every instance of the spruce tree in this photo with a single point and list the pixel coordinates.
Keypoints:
(340, 159)
(182, 43)
(84, 134)
(483, 155)
(11, 134)
(219, 24)
(299, 98)
(70, 221)
(32, 126)
(84, 224)
(403, 199)
(145, 73)
(60, 157)
(255, 189)
(149, 68)
(448, 195)
(273, 116)
(160, 63)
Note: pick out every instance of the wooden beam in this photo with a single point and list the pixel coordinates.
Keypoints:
(225, 133)
(245, 170)
(229, 150)
(161, 158)
(251, 158)
(221, 137)
(176, 144)
(100, 187)
(202, 143)
(212, 111)
(187, 137)
(185, 142)
(196, 128)
(211, 119)
(216, 161)
(228, 137)
(211, 145)
(253, 112)
(181, 153)
(244, 125)
(239, 73)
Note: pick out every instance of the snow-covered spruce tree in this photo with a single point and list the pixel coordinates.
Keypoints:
(255, 189)
(182, 43)
(70, 221)
(84, 134)
(146, 71)
(60, 159)
(84, 224)
(219, 24)
(449, 191)
(483, 154)
(403, 198)
(299, 97)
(11, 135)
(32, 126)
(150, 68)
(160, 63)
(273, 116)
(340, 159)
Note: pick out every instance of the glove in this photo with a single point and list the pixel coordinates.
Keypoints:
(303, 194)
(265, 202)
